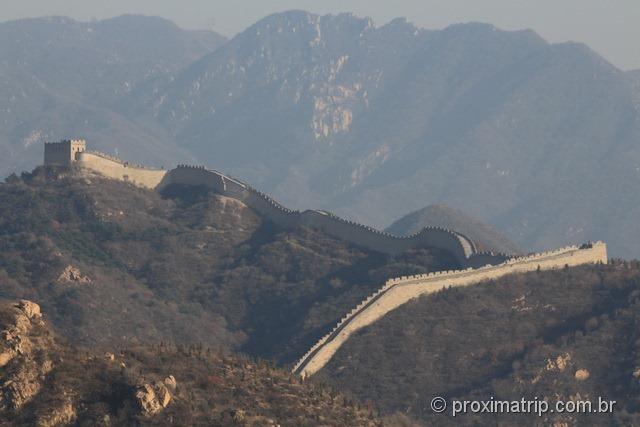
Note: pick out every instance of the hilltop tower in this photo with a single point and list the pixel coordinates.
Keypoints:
(63, 153)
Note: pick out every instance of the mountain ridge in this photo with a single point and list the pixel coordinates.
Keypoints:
(560, 335)
(374, 122)
(329, 125)
(48, 382)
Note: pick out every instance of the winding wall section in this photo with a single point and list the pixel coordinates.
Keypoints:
(479, 266)
(462, 248)
(401, 290)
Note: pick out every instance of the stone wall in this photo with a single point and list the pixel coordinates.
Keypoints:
(112, 167)
(461, 247)
(63, 153)
(479, 266)
(400, 290)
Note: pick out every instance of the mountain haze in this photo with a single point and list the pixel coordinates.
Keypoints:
(62, 78)
(539, 140)
(634, 77)
(374, 122)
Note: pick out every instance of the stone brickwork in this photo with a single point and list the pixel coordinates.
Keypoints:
(74, 153)
(112, 167)
(400, 290)
(63, 153)
(463, 249)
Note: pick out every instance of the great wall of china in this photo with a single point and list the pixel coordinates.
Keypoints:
(74, 153)
(477, 266)
(401, 290)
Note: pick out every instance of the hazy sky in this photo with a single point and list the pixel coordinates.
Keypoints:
(611, 27)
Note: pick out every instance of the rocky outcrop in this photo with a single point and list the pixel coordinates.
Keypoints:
(30, 309)
(153, 398)
(60, 415)
(137, 386)
(171, 383)
(27, 352)
(72, 274)
(25, 365)
(582, 374)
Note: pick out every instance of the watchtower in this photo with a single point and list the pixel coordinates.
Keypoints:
(63, 153)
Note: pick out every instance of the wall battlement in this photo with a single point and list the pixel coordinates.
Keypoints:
(401, 290)
(74, 153)
(462, 248)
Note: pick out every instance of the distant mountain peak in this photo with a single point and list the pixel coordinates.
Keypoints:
(137, 19)
(303, 23)
(402, 26)
(368, 122)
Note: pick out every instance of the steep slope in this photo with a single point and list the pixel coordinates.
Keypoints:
(59, 76)
(46, 382)
(117, 265)
(561, 335)
(374, 122)
(444, 216)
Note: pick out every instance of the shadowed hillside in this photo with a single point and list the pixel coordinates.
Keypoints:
(46, 382)
(560, 335)
(486, 237)
(113, 264)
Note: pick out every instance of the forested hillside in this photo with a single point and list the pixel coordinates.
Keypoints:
(568, 334)
(113, 264)
(46, 382)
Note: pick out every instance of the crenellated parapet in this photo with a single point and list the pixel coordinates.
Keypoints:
(458, 245)
(115, 159)
(401, 290)
(74, 153)
(106, 156)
